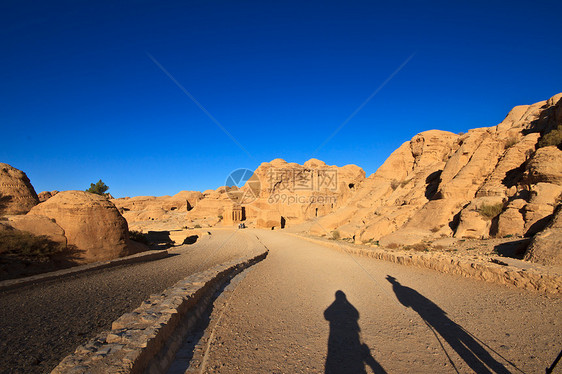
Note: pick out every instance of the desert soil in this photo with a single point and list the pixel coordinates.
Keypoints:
(41, 324)
(283, 316)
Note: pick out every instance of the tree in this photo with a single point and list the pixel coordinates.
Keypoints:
(99, 188)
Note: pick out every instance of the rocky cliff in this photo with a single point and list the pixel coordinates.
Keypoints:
(493, 181)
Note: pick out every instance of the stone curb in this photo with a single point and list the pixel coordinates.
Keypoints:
(39, 278)
(528, 279)
(146, 339)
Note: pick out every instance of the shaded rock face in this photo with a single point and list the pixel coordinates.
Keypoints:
(492, 181)
(90, 222)
(17, 195)
(546, 247)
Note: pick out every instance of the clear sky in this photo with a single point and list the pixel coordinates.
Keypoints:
(81, 99)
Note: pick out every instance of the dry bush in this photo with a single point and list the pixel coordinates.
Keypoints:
(405, 182)
(24, 244)
(394, 184)
(392, 246)
(138, 236)
(510, 142)
(335, 234)
(419, 247)
(490, 211)
(554, 137)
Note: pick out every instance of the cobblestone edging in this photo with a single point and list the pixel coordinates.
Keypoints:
(43, 277)
(504, 274)
(146, 339)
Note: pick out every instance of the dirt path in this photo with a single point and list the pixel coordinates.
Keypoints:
(310, 309)
(42, 324)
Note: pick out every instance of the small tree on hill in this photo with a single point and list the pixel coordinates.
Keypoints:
(98, 188)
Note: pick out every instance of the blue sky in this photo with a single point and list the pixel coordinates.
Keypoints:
(81, 99)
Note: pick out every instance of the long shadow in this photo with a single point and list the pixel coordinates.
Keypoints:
(346, 352)
(466, 346)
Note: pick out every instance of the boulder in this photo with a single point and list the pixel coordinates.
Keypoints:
(536, 217)
(90, 222)
(46, 195)
(511, 222)
(39, 225)
(472, 224)
(546, 246)
(17, 195)
(545, 166)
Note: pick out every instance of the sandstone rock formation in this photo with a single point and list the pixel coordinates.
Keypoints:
(90, 222)
(291, 193)
(143, 212)
(39, 225)
(546, 247)
(46, 195)
(493, 181)
(17, 195)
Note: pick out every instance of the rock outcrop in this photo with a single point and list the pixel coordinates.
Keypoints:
(46, 195)
(167, 212)
(90, 223)
(291, 194)
(495, 181)
(17, 195)
(546, 247)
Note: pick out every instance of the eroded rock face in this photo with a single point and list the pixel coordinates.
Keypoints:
(546, 247)
(280, 194)
(166, 212)
(436, 182)
(291, 194)
(46, 195)
(90, 222)
(17, 195)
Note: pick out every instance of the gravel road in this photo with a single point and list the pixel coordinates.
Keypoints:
(42, 324)
(311, 309)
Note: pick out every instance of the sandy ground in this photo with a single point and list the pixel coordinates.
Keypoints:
(311, 309)
(41, 324)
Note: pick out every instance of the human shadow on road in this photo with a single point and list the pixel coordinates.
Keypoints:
(458, 338)
(346, 352)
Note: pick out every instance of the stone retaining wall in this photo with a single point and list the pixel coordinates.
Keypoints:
(147, 339)
(504, 274)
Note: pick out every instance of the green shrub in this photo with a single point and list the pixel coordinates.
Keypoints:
(138, 236)
(554, 137)
(98, 188)
(24, 244)
(490, 211)
(220, 217)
